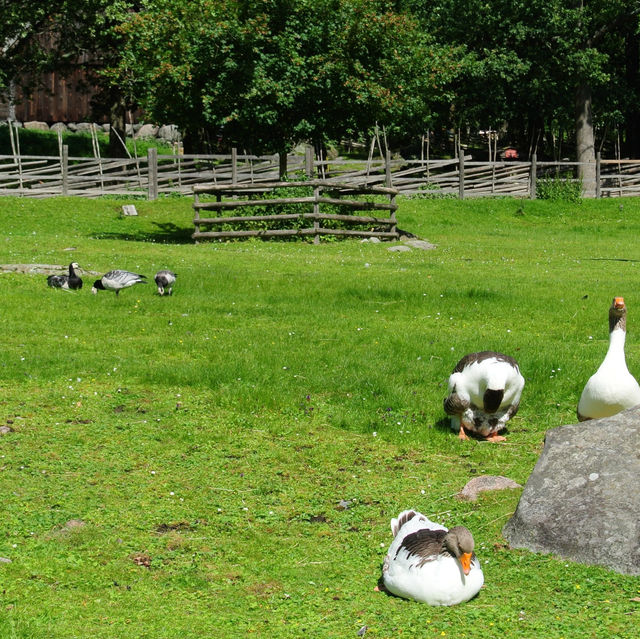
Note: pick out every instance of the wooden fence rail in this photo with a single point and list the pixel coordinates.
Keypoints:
(307, 209)
(155, 175)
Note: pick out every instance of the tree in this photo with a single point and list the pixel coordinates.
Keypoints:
(62, 36)
(539, 64)
(266, 75)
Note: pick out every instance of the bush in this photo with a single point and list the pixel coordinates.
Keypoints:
(559, 188)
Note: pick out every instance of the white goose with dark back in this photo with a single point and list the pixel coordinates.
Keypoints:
(429, 563)
(483, 394)
(612, 388)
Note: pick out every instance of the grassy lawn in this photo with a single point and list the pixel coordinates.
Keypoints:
(175, 465)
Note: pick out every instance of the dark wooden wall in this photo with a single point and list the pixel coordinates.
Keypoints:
(61, 100)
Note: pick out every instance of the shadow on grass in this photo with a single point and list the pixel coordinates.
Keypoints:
(163, 233)
(444, 426)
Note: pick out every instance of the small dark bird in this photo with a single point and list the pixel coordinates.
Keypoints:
(117, 280)
(70, 282)
(165, 280)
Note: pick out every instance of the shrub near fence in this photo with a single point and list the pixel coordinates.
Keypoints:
(311, 208)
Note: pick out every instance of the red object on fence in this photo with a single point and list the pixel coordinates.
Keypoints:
(511, 154)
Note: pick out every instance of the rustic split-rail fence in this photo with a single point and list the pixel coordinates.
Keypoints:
(241, 176)
(154, 174)
(311, 209)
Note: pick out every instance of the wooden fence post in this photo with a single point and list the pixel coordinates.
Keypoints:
(392, 215)
(64, 169)
(308, 161)
(460, 173)
(533, 177)
(196, 219)
(598, 169)
(234, 165)
(387, 169)
(316, 213)
(152, 169)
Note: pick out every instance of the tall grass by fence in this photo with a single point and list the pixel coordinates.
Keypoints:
(154, 175)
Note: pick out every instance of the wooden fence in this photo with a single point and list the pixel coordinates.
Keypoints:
(155, 175)
(311, 208)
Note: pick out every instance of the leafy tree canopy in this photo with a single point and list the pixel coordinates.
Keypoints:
(271, 73)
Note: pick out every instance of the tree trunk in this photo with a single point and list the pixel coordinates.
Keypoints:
(585, 141)
(117, 129)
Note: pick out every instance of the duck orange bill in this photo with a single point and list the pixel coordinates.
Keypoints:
(465, 560)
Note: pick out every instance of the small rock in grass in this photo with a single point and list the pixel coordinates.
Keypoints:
(423, 245)
(485, 482)
(67, 528)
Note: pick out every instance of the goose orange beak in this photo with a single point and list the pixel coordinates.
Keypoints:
(465, 560)
(618, 302)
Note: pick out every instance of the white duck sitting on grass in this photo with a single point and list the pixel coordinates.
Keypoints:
(612, 388)
(116, 280)
(428, 563)
(483, 394)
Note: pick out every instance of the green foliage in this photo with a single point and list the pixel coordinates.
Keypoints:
(268, 75)
(559, 188)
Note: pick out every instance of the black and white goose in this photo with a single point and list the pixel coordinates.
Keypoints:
(70, 282)
(164, 281)
(612, 388)
(117, 280)
(483, 394)
(429, 563)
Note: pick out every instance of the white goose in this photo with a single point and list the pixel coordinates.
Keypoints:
(483, 394)
(612, 388)
(117, 280)
(429, 563)
(165, 280)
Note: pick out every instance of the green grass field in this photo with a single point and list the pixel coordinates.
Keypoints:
(202, 443)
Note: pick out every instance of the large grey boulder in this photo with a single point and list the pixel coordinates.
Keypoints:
(36, 126)
(582, 501)
(147, 131)
(169, 132)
